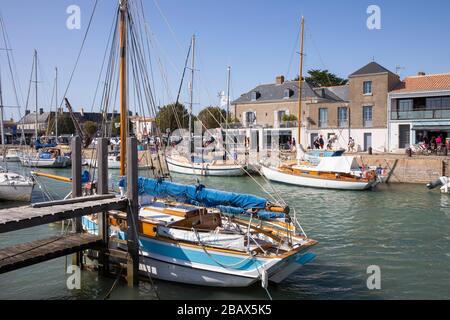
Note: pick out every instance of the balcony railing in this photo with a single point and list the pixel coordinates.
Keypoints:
(342, 123)
(368, 123)
(421, 114)
(287, 124)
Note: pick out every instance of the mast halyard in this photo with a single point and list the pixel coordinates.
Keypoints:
(123, 85)
(191, 93)
(56, 102)
(36, 89)
(2, 129)
(228, 96)
(300, 82)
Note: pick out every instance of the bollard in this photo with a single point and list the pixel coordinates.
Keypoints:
(370, 150)
(409, 152)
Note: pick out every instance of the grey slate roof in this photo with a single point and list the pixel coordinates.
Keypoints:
(339, 93)
(31, 118)
(370, 68)
(275, 92)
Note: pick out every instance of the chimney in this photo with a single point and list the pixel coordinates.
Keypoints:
(421, 73)
(82, 112)
(41, 110)
(27, 112)
(280, 80)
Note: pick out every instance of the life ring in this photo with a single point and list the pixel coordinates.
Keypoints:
(370, 175)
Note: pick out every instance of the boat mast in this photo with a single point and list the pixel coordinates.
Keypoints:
(36, 89)
(191, 93)
(300, 84)
(2, 129)
(228, 95)
(56, 101)
(123, 85)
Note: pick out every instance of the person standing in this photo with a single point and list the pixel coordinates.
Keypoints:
(351, 145)
(321, 142)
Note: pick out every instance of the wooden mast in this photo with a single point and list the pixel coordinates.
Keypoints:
(123, 86)
(300, 82)
(36, 88)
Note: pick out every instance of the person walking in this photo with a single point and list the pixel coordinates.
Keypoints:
(351, 145)
(321, 142)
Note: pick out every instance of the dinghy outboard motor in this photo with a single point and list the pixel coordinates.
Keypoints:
(442, 182)
(435, 184)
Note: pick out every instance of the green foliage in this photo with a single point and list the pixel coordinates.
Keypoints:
(166, 117)
(323, 78)
(289, 117)
(65, 124)
(212, 117)
(90, 127)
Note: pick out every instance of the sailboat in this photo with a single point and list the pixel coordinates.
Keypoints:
(188, 162)
(196, 235)
(47, 156)
(329, 172)
(13, 186)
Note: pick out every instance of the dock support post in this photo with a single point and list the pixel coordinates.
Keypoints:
(102, 188)
(132, 213)
(76, 188)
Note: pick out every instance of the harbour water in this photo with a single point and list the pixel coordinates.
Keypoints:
(403, 229)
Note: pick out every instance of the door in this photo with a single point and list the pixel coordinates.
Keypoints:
(313, 138)
(367, 141)
(404, 133)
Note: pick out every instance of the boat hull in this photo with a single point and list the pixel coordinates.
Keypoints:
(204, 169)
(300, 180)
(46, 163)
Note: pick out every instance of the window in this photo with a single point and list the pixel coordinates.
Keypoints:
(367, 87)
(405, 105)
(287, 94)
(342, 117)
(280, 115)
(367, 116)
(250, 117)
(255, 95)
(323, 117)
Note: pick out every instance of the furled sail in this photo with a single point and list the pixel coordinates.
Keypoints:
(197, 194)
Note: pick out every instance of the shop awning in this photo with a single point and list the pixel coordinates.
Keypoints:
(435, 125)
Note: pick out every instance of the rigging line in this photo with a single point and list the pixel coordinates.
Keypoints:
(168, 24)
(293, 52)
(79, 53)
(111, 33)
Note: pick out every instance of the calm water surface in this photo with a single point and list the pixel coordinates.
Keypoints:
(403, 229)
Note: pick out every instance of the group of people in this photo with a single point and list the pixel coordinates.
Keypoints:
(435, 143)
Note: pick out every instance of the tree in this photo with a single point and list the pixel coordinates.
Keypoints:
(167, 117)
(212, 117)
(323, 78)
(90, 127)
(65, 124)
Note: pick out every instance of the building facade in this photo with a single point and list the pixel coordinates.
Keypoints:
(419, 109)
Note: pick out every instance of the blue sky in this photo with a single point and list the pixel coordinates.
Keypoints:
(256, 38)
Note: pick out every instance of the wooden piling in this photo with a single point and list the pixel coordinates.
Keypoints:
(102, 189)
(76, 188)
(132, 212)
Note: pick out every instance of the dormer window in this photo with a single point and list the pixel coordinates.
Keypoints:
(255, 95)
(287, 93)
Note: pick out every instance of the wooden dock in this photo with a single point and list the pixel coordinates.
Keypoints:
(27, 254)
(14, 219)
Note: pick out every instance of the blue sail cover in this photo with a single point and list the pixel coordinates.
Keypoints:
(197, 194)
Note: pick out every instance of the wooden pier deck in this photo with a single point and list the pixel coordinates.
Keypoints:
(44, 213)
(27, 254)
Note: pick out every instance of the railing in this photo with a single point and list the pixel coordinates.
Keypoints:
(368, 123)
(287, 124)
(342, 123)
(421, 114)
